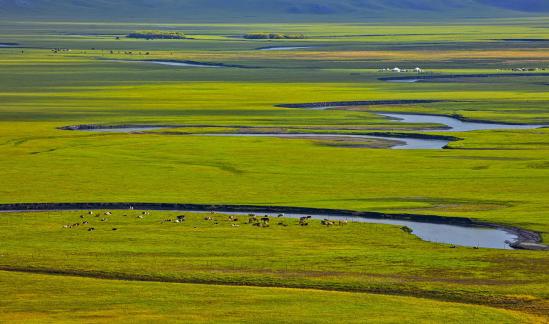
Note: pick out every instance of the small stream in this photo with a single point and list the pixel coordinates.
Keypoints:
(401, 143)
(188, 64)
(136, 129)
(448, 124)
(403, 81)
(454, 124)
(450, 77)
(283, 48)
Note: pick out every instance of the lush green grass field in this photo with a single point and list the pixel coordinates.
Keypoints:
(39, 298)
(499, 176)
(355, 257)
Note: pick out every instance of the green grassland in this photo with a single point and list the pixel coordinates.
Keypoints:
(354, 257)
(27, 297)
(499, 176)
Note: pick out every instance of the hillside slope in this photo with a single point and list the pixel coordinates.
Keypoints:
(272, 10)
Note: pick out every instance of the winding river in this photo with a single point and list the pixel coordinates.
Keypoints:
(132, 129)
(442, 77)
(400, 142)
(454, 231)
(454, 124)
(449, 124)
(190, 64)
(283, 48)
(470, 236)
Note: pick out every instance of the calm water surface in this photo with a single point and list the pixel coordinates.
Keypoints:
(471, 236)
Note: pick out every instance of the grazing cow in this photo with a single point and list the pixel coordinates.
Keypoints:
(85, 223)
(108, 214)
(66, 226)
(90, 213)
(327, 222)
(236, 225)
(115, 229)
(280, 215)
(81, 216)
(208, 218)
(343, 222)
(303, 221)
(265, 220)
(252, 219)
(140, 217)
(104, 219)
(181, 218)
(91, 229)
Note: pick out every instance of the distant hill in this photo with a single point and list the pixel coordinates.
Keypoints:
(269, 10)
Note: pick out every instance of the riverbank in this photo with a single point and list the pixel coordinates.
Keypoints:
(458, 76)
(356, 103)
(526, 239)
(185, 63)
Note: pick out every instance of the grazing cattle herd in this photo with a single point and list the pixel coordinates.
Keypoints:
(213, 217)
